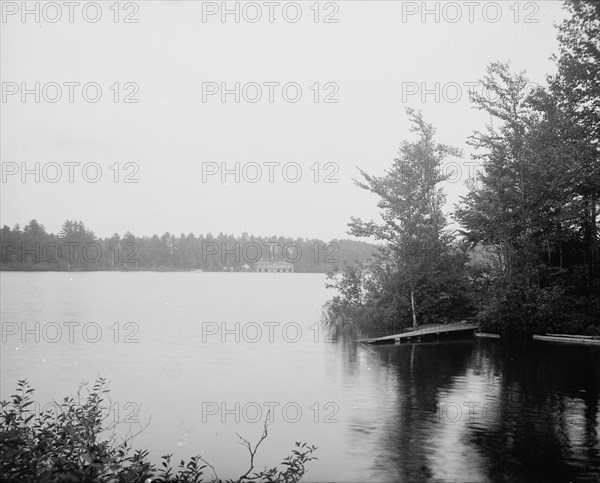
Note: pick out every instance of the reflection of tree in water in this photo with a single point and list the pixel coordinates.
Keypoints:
(421, 371)
(545, 427)
(542, 423)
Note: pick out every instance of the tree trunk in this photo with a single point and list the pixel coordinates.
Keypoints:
(412, 303)
(589, 231)
(560, 244)
(594, 236)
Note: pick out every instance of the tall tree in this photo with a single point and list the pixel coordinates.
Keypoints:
(576, 91)
(411, 202)
(496, 211)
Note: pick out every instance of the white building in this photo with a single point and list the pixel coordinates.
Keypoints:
(273, 267)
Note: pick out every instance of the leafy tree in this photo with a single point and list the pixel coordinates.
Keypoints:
(418, 263)
(575, 90)
(411, 202)
(533, 206)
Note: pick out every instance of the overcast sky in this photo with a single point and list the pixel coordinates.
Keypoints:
(374, 61)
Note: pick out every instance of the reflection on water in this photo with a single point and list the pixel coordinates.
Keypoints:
(472, 410)
(480, 410)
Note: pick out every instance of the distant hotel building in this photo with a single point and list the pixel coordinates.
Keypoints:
(273, 267)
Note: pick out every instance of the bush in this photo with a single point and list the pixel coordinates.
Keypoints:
(67, 446)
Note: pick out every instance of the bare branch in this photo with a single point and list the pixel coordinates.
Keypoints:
(252, 451)
(211, 467)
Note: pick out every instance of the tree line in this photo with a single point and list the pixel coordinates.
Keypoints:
(531, 214)
(76, 247)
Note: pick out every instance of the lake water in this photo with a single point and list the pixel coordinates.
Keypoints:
(204, 356)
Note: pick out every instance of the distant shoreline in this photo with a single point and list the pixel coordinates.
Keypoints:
(3, 269)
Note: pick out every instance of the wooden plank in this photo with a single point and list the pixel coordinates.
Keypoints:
(428, 330)
(487, 335)
(549, 338)
(572, 336)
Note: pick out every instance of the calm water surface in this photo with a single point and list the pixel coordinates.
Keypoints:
(474, 410)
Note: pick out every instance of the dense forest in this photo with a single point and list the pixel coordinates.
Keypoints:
(76, 247)
(532, 213)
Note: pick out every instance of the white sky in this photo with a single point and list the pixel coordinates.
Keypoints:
(371, 54)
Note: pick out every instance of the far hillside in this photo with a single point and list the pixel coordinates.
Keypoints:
(76, 247)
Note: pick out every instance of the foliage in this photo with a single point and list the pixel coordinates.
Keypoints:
(535, 205)
(76, 247)
(68, 445)
(533, 211)
(417, 275)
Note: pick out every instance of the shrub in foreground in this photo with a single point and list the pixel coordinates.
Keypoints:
(74, 445)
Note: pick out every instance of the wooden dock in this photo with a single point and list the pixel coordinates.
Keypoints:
(569, 338)
(428, 333)
(487, 335)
